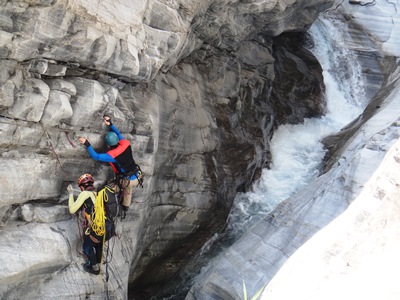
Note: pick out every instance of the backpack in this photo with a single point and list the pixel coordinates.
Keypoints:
(106, 209)
(111, 203)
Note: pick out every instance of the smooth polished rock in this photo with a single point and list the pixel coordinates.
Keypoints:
(200, 129)
(344, 258)
(30, 105)
(357, 174)
(260, 253)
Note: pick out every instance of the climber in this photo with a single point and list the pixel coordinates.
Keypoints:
(92, 243)
(121, 160)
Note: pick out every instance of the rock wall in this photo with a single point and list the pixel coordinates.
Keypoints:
(195, 86)
(344, 258)
(337, 260)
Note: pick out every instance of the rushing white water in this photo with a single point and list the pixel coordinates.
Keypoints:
(297, 151)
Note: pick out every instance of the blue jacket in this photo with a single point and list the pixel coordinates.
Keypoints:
(106, 157)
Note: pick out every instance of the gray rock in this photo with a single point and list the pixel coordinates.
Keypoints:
(45, 67)
(361, 240)
(43, 213)
(11, 81)
(360, 154)
(57, 108)
(200, 129)
(30, 105)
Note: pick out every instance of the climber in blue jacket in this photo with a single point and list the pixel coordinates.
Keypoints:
(120, 158)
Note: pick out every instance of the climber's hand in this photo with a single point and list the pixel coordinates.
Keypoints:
(107, 120)
(70, 189)
(84, 141)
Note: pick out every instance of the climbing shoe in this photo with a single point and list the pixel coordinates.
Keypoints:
(90, 269)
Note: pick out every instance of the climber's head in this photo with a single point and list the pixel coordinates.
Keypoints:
(112, 139)
(85, 181)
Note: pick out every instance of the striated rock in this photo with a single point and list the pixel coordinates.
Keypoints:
(43, 213)
(294, 59)
(44, 67)
(89, 99)
(30, 105)
(368, 19)
(199, 129)
(11, 79)
(262, 251)
(357, 170)
(345, 257)
(135, 40)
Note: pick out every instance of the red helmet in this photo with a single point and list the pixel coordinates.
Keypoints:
(85, 179)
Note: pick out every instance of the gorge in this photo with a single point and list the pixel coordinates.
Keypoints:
(200, 88)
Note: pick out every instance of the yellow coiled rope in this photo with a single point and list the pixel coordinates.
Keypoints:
(99, 218)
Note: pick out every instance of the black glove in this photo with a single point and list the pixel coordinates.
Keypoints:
(108, 119)
(87, 144)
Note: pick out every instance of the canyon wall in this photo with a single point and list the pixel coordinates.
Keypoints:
(290, 253)
(197, 87)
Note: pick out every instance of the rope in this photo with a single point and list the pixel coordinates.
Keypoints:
(55, 155)
(58, 162)
(102, 253)
(69, 139)
(80, 238)
(110, 254)
(98, 217)
(106, 262)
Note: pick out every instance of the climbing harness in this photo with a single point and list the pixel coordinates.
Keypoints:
(122, 180)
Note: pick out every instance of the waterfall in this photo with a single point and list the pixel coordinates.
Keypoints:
(297, 151)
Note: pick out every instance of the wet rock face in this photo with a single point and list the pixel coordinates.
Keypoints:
(295, 72)
(199, 129)
(320, 231)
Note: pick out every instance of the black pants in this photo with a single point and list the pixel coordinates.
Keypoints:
(94, 251)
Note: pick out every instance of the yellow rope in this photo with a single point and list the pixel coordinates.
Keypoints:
(99, 218)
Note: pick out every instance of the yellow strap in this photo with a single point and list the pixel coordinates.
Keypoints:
(105, 194)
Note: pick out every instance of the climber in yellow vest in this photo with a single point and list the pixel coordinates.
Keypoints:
(92, 243)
